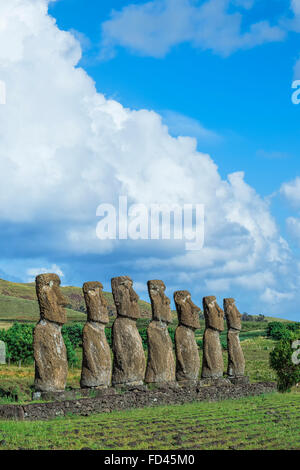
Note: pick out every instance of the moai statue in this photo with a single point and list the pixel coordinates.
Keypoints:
(2, 353)
(236, 360)
(96, 359)
(213, 364)
(129, 359)
(161, 364)
(187, 354)
(50, 355)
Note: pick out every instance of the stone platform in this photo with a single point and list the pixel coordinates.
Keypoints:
(86, 401)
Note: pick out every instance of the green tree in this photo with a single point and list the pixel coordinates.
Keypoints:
(288, 372)
(74, 333)
(19, 339)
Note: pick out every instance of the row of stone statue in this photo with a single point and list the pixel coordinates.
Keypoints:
(129, 364)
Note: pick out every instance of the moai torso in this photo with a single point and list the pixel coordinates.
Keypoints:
(129, 359)
(161, 364)
(50, 355)
(236, 360)
(96, 359)
(213, 364)
(187, 354)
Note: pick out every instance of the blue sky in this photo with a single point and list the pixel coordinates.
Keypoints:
(245, 98)
(220, 71)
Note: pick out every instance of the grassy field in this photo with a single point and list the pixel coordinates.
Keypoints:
(265, 422)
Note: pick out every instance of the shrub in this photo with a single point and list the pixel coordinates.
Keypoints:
(172, 335)
(71, 352)
(74, 333)
(108, 334)
(295, 327)
(288, 373)
(19, 342)
(278, 330)
(143, 334)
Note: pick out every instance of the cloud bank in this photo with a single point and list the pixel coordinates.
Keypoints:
(65, 149)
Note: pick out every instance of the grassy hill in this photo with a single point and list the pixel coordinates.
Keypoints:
(19, 302)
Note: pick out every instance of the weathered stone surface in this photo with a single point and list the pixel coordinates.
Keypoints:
(232, 315)
(215, 382)
(2, 353)
(95, 301)
(245, 379)
(125, 298)
(50, 355)
(212, 364)
(107, 401)
(96, 360)
(187, 311)
(96, 356)
(160, 303)
(236, 360)
(129, 359)
(51, 301)
(213, 314)
(187, 354)
(161, 363)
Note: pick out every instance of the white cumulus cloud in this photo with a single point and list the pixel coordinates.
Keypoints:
(291, 191)
(65, 148)
(33, 272)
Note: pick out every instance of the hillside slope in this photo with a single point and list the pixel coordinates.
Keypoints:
(19, 302)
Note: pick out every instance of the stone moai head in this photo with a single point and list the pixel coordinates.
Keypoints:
(160, 303)
(187, 311)
(95, 302)
(125, 298)
(50, 298)
(233, 316)
(214, 315)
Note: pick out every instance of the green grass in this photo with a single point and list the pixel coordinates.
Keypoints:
(18, 302)
(265, 422)
(15, 309)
